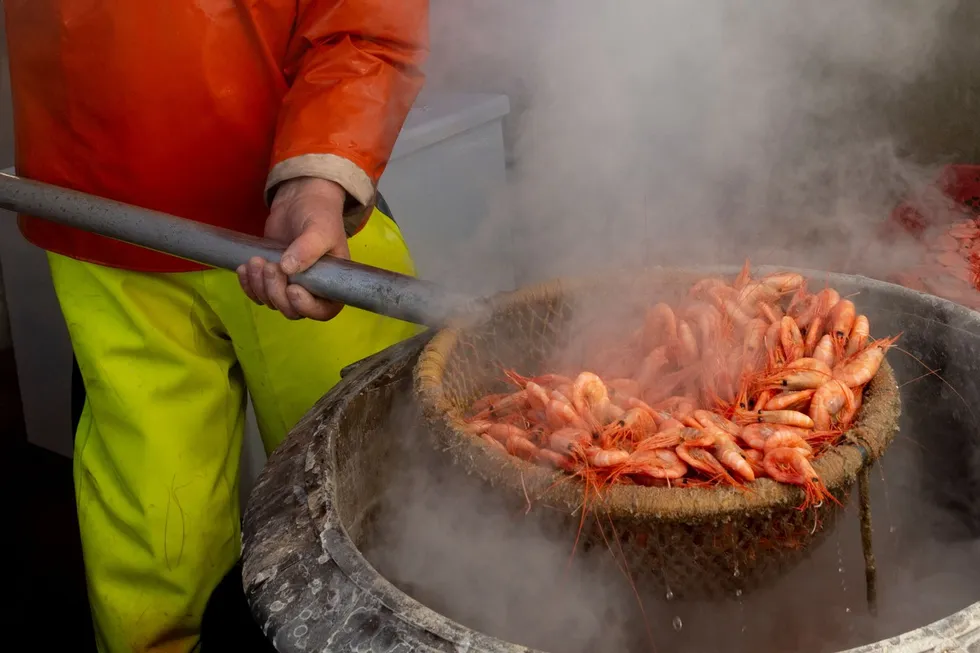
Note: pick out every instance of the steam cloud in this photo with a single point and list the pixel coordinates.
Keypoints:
(677, 132)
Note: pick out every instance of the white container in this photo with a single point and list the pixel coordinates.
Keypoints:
(446, 170)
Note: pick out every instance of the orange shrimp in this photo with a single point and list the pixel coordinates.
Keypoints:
(502, 432)
(569, 440)
(555, 459)
(858, 338)
(762, 399)
(848, 415)
(749, 297)
(659, 326)
(731, 456)
(785, 438)
(825, 350)
(521, 447)
(707, 417)
(828, 401)
(604, 458)
(784, 282)
(814, 331)
(503, 406)
(784, 417)
(478, 427)
(702, 287)
(537, 397)
(792, 340)
(862, 366)
(636, 424)
(743, 277)
(656, 463)
(702, 460)
(841, 321)
(790, 400)
(665, 439)
(801, 374)
(771, 312)
(791, 466)
(753, 345)
(754, 458)
(590, 398)
(774, 348)
(494, 444)
(687, 344)
(655, 361)
(560, 415)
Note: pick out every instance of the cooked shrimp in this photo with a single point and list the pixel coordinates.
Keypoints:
(660, 326)
(561, 414)
(504, 405)
(703, 461)
(814, 331)
(478, 427)
(731, 456)
(785, 417)
(537, 397)
(569, 440)
(494, 444)
(555, 459)
(788, 400)
(655, 361)
(828, 401)
(754, 458)
(824, 351)
(597, 457)
(841, 320)
(862, 366)
(847, 416)
(636, 424)
(744, 276)
(771, 312)
(687, 349)
(657, 463)
(521, 447)
(774, 348)
(785, 438)
(502, 432)
(590, 398)
(801, 374)
(791, 339)
(859, 335)
(754, 345)
(728, 426)
(783, 282)
(791, 466)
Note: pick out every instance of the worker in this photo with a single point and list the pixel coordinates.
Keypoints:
(271, 117)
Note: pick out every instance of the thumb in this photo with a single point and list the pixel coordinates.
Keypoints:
(308, 248)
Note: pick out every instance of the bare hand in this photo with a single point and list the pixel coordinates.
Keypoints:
(306, 216)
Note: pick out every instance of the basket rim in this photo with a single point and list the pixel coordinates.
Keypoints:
(838, 468)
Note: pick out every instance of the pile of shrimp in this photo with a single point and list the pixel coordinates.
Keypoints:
(951, 266)
(741, 380)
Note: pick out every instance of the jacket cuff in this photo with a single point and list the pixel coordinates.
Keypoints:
(360, 189)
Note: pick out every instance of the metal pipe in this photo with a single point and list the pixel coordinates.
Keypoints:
(354, 284)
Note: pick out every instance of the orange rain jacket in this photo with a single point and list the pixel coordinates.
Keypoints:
(199, 108)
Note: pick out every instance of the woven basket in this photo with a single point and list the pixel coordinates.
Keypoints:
(691, 542)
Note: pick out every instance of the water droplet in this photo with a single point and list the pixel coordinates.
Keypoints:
(677, 623)
(669, 595)
(738, 592)
(840, 569)
(847, 609)
(891, 529)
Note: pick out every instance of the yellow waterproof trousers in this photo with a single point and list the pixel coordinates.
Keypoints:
(166, 360)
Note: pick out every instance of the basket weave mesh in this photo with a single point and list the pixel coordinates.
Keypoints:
(692, 542)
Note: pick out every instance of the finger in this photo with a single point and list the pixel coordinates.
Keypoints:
(308, 248)
(256, 279)
(275, 288)
(311, 307)
(243, 281)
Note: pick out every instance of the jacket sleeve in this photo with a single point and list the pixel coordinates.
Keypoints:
(354, 70)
